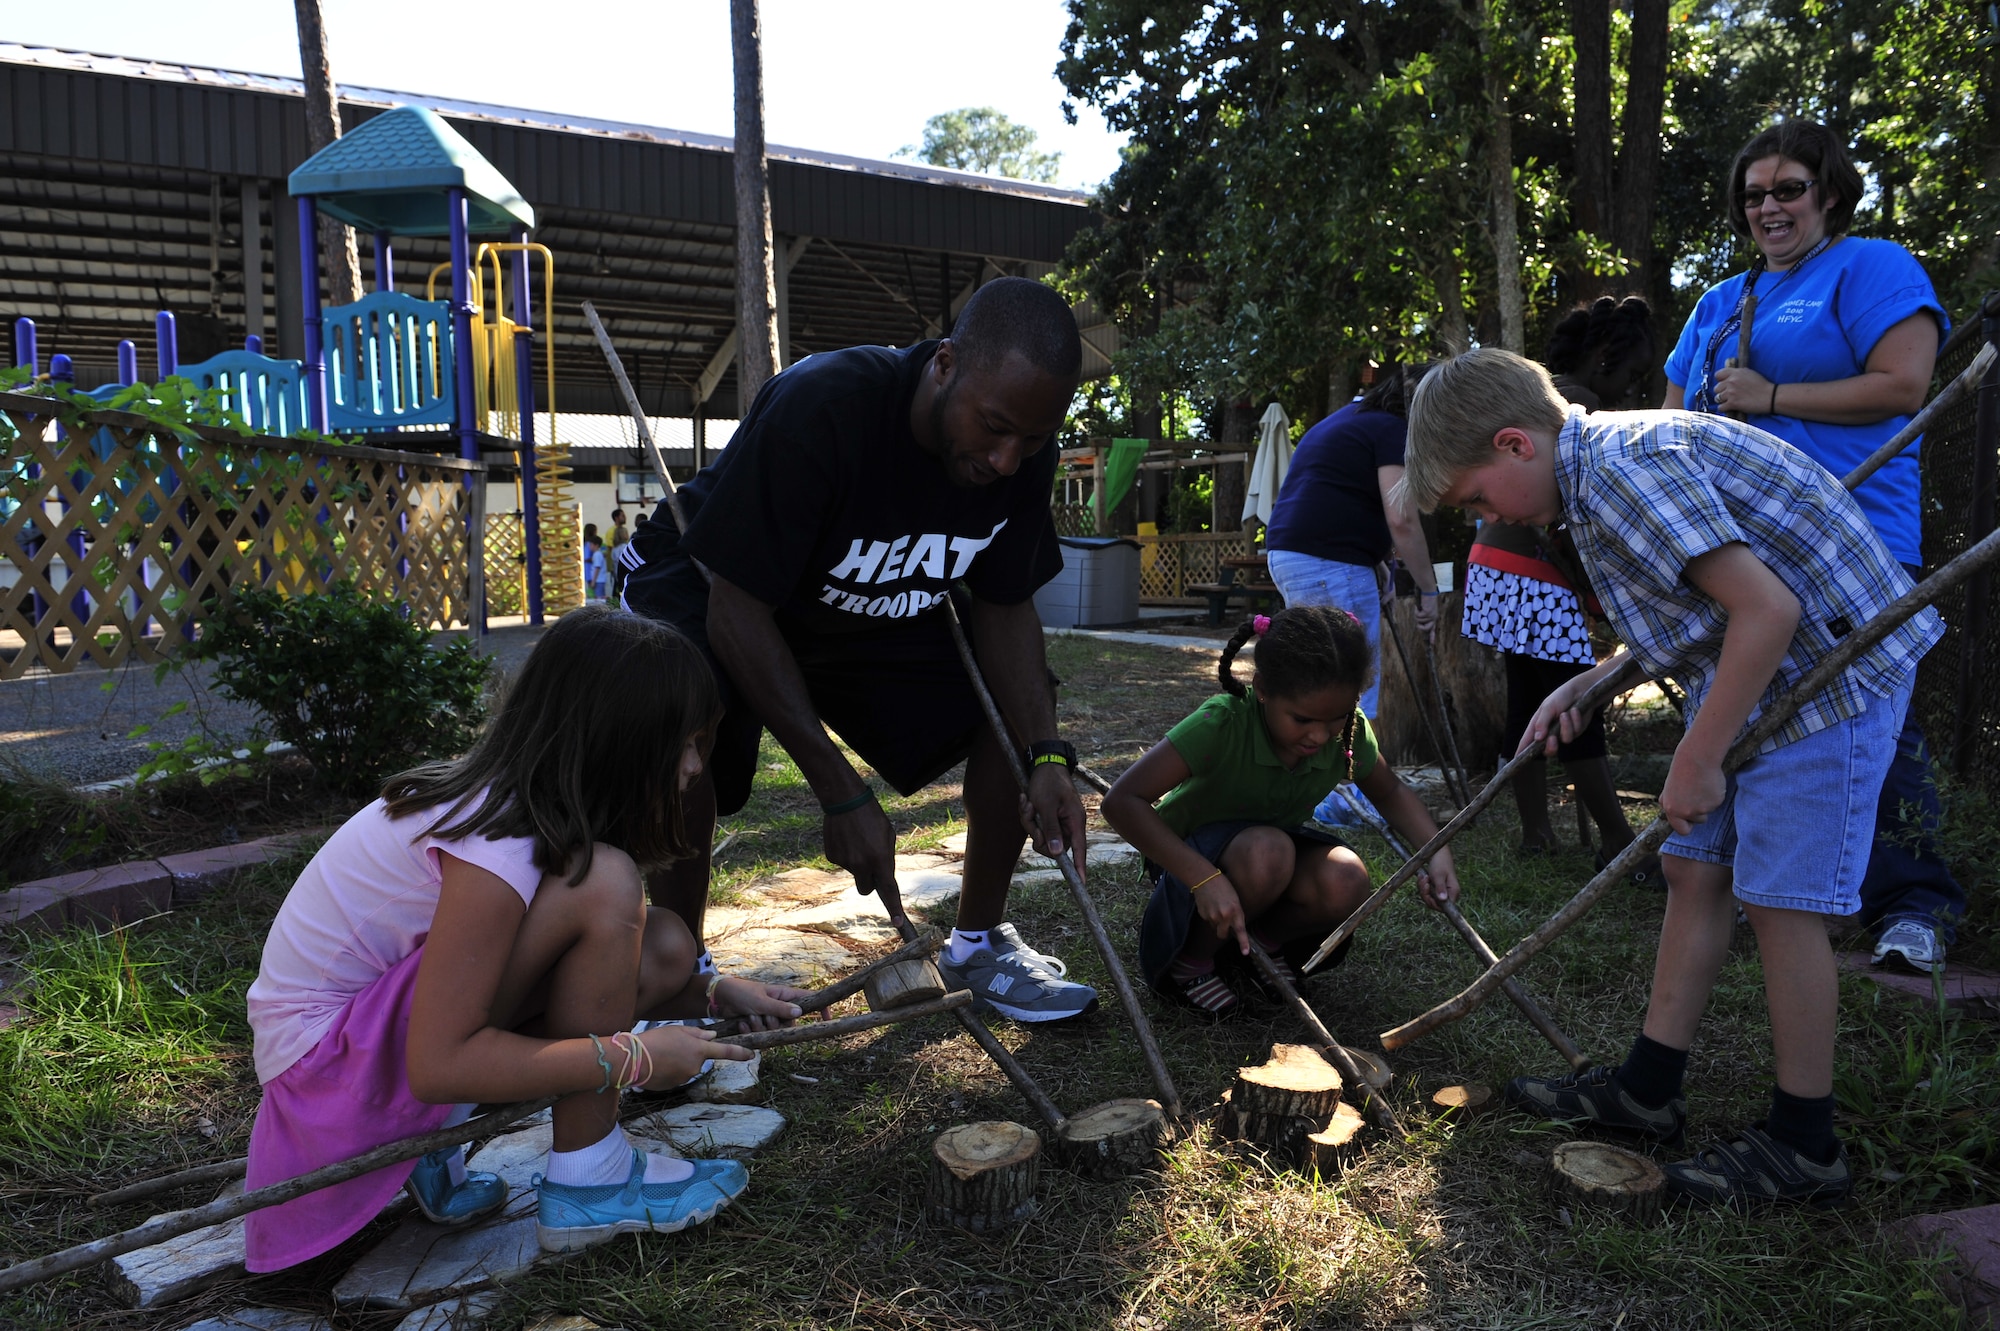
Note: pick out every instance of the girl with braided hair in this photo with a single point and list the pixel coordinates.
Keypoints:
(1221, 809)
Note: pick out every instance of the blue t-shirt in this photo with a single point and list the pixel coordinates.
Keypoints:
(1814, 325)
(1330, 506)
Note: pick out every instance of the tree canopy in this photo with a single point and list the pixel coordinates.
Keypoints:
(1315, 184)
(980, 138)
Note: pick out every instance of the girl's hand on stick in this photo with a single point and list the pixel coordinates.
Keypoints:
(1222, 910)
(679, 1051)
(763, 1007)
(1440, 883)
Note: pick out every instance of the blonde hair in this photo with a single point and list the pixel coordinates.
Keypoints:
(1461, 405)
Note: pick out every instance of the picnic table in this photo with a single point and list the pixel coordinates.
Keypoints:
(1247, 577)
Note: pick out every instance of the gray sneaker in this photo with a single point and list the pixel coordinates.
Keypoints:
(1594, 1096)
(1753, 1169)
(1911, 945)
(1016, 981)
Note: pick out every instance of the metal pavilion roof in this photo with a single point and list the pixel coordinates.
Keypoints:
(126, 185)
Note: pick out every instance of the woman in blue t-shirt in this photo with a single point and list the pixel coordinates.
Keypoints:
(1844, 336)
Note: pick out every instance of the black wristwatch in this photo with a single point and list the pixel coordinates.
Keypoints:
(1051, 751)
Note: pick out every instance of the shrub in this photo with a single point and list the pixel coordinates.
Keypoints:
(347, 680)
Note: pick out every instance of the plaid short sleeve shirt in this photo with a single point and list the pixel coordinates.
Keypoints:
(1647, 492)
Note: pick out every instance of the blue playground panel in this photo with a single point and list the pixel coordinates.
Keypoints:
(270, 395)
(389, 363)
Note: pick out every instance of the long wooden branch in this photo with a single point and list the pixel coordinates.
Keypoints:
(1967, 380)
(921, 945)
(175, 1223)
(1844, 654)
(839, 1026)
(639, 419)
(1170, 1098)
(1372, 1101)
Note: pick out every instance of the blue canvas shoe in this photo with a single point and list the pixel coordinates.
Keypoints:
(429, 1185)
(574, 1218)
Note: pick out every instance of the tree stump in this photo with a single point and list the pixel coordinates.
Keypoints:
(1116, 1137)
(1280, 1103)
(1335, 1147)
(904, 983)
(1608, 1177)
(1468, 1099)
(983, 1176)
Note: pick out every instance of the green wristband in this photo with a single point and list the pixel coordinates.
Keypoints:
(848, 806)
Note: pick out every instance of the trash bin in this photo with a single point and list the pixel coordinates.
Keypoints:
(1098, 585)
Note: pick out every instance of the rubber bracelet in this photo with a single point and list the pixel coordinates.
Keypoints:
(713, 1010)
(1432, 595)
(1040, 759)
(848, 806)
(1206, 881)
(1774, 401)
(602, 1062)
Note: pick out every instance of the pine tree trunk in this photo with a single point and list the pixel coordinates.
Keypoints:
(1639, 154)
(1451, 303)
(756, 278)
(339, 258)
(1505, 228)
(1590, 192)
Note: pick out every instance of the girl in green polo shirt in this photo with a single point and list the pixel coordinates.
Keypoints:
(1222, 808)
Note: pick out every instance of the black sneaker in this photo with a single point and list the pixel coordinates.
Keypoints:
(1594, 1096)
(1754, 1169)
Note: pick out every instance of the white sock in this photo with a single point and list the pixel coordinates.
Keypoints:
(705, 963)
(455, 1163)
(609, 1163)
(964, 942)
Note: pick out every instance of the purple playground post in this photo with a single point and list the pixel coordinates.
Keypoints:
(254, 344)
(461, 333)
(524, 379)
(62, 370)
(128, 362)
(24, 346)
(385, 263)
(166, 343)
(309, 281)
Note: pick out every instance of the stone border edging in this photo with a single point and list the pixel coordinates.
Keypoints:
(118, 894)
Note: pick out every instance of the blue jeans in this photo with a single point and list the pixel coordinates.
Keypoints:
(1307, 580)
(1907, 878)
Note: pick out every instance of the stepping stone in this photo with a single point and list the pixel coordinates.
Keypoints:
(730, 1083)
(453, 1314)
(1966, 989)
(263, 1319)
(169, 1271)
(784, 956)
(1971, 1242)
(727, 1131)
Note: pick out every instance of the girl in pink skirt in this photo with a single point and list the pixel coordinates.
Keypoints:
(480, 934)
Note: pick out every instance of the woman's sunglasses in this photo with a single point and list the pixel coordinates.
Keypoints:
(1785, 191)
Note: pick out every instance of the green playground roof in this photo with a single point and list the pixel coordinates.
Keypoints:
(392, 174)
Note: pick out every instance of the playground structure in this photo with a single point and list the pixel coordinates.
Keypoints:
(408, 376)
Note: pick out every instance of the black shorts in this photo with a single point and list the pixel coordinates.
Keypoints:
(897, 695)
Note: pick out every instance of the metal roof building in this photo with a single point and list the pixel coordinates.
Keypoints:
(129, 186)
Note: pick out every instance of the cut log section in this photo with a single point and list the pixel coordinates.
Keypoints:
(1116, 1137)
(1279, 1103)
(1609, 1177)
(983, 1176)
(1468, 1099)
(904, 983)
(1336, 1146)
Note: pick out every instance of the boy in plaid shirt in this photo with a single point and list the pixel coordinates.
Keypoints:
(1734, 562)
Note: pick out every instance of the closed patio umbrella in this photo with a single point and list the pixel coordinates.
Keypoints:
(1267, 470)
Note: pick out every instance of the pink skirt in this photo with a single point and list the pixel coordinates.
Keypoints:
(351, 1093)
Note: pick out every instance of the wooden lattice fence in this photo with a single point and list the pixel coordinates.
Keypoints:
(1169, 563)
(120, 534)
(506, 564)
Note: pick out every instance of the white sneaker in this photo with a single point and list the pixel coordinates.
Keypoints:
(1911, 945)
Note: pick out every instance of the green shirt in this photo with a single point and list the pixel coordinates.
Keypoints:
(1237, 775)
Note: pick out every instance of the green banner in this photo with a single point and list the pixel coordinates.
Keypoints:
(1121, 467)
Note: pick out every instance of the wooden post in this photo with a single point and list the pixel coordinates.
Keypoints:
(1116, 1137)
(756, 282)
(983, 1176)
(1587, 1173)
(1099, 501)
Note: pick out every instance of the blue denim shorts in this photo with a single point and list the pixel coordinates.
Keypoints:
(1797, 823)
(1309, 580)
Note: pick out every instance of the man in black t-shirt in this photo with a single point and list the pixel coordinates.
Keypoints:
(859, 489)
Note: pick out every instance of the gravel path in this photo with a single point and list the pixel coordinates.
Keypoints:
(75, 728)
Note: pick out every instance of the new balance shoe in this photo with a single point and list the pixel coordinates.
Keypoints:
(430, 1187)
(1016, 981)
(1910, 945)
(1755, 1169)
(570, 1218)
(1594, 1096)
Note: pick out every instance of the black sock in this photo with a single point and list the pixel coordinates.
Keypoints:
(1805, 1125)
(1652, 1072)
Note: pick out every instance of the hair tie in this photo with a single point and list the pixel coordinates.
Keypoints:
(1261, 623)
(1352, 616)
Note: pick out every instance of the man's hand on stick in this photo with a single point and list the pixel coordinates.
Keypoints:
(863, 842)
(1053, 803)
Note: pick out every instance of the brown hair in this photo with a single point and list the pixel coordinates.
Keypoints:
(1811, 145)
(584, 748)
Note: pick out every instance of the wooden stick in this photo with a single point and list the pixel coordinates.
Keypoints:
(1350, 1071)
(1741, 360)
(1922, 422)
(175, 1223)
(217, 1172)
(658, 458)
(1844, 654)
(1444, 719)
(1530, 1009)
(1461, 797)
(923, 945)
(839, 1026)
(1170, 1098)
(1093, 780)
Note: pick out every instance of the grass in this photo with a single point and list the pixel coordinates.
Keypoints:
(135, 1039)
